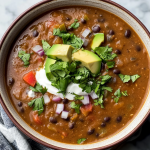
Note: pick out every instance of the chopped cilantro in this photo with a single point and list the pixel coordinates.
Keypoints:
(99, 101)
(127, 78)
(75, 25)
(134, 77)
(118, 94)
(38, 104)
(105, 79)
(81, 140)
(39, 88)
(78, 97)
(107, 88)
(124, 93)
(76, 107)
(46, 46)
(105, 53)
(110, 64)
(69, 39)
(25, 57)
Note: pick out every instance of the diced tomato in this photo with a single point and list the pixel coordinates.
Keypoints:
(30, 78)
(86, 109)
(37, 119)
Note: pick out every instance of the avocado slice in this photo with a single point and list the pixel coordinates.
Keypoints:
(97, 40)
(88, 59)
(48, 62)
(61, 51)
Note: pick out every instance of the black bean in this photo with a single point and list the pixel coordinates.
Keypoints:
(81, 119)
(138, 48)
(35, 33)
(22, 110)
(127, 33)
(103, 124)
(68, 119)
(119, 119)
(11, 81)
(20, 104)
(102, 66)
(107, 119)
(69, 29)
(113, 79)
(68, 19)
(96, 28)
(65, 101)
(97, 134)
(101, 20)
(90, 131)
(111, 32)
(71, 125)
(116, 71)
(53, 120)
(117, 51)
(83, 21)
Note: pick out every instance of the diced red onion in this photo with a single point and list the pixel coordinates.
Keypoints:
(46, 99)
(86, 32)
(60, 108)
(93, 95)
(37, 48)
(56, 99)
(85, 42)
(41, 52)
(64, 114)
(86, 100)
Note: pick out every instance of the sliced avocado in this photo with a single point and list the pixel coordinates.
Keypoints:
(60, 51)
(48, 62)
(88, 59)
(97, 40)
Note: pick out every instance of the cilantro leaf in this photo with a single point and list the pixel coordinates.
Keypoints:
(81, 140)
(46, 46)
(39, 88)
(99, 101)
(124, 93)
(107, 88)
(127, 78)
(25, 57)
(76, 107)
(134, 77)
(110, 64)
(75, 25)
(124, 78)
(105, 53)
(105, 79)
(69, 39)
(38, 104)
(78, 97)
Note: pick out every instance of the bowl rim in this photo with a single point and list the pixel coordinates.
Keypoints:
(11, 116)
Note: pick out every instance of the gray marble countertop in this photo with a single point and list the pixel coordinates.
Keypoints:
(10, 9)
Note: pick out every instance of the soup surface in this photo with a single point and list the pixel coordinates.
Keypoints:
(69, 94)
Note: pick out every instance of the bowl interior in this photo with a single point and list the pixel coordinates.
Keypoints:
(41, 9)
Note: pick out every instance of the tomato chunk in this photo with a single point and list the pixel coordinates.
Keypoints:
(37, 119)
(30, 78)
(86, 109)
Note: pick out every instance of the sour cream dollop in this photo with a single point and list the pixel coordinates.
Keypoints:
(72, 87)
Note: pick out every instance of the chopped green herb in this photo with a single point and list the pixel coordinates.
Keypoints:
(134, 77)
(75, 25)
(78, 97)
(127, 78)
(99, 101)
(46, 46)
(25, 57)
(39, 88)
(81, 140)
(76, 107)
(110, 64)
(38, 104)
(105, 53)
(107, 88)
(105, 79)
(124, 93)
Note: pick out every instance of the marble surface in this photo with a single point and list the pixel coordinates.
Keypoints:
(10, 9)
